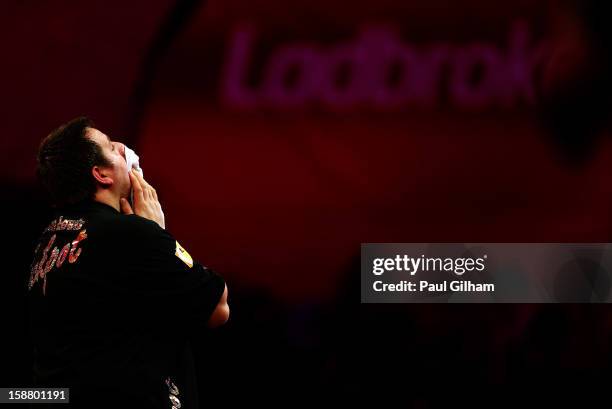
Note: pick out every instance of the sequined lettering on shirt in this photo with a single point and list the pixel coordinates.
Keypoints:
(56, 258)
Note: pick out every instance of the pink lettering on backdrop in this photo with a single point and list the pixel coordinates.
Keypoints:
(378, 71)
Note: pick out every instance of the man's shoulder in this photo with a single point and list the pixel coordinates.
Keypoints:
(132, 235)
(133, 224)
(123, 225)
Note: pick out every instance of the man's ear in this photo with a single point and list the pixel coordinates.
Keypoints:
(102, 175)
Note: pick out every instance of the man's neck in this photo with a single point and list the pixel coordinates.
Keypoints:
(108, 199)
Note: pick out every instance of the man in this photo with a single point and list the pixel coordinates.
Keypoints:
(114, 297)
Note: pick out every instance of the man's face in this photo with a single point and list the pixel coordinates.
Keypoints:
(115, 154)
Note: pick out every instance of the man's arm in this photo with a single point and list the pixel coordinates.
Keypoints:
(146, 205)
(221, 313)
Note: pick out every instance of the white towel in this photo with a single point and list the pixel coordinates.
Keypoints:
(132, 161)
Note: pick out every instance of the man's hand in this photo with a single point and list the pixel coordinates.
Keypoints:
(221, 313)
(145, 203)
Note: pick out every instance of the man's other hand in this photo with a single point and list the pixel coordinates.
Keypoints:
(146, 203)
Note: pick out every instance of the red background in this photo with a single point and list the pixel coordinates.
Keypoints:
(279, 200)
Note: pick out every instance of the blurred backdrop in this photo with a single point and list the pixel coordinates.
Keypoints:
(281, 135)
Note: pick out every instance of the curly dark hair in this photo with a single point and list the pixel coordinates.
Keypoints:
(64, 161)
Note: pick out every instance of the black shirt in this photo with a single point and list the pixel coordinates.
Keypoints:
(113, 301)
